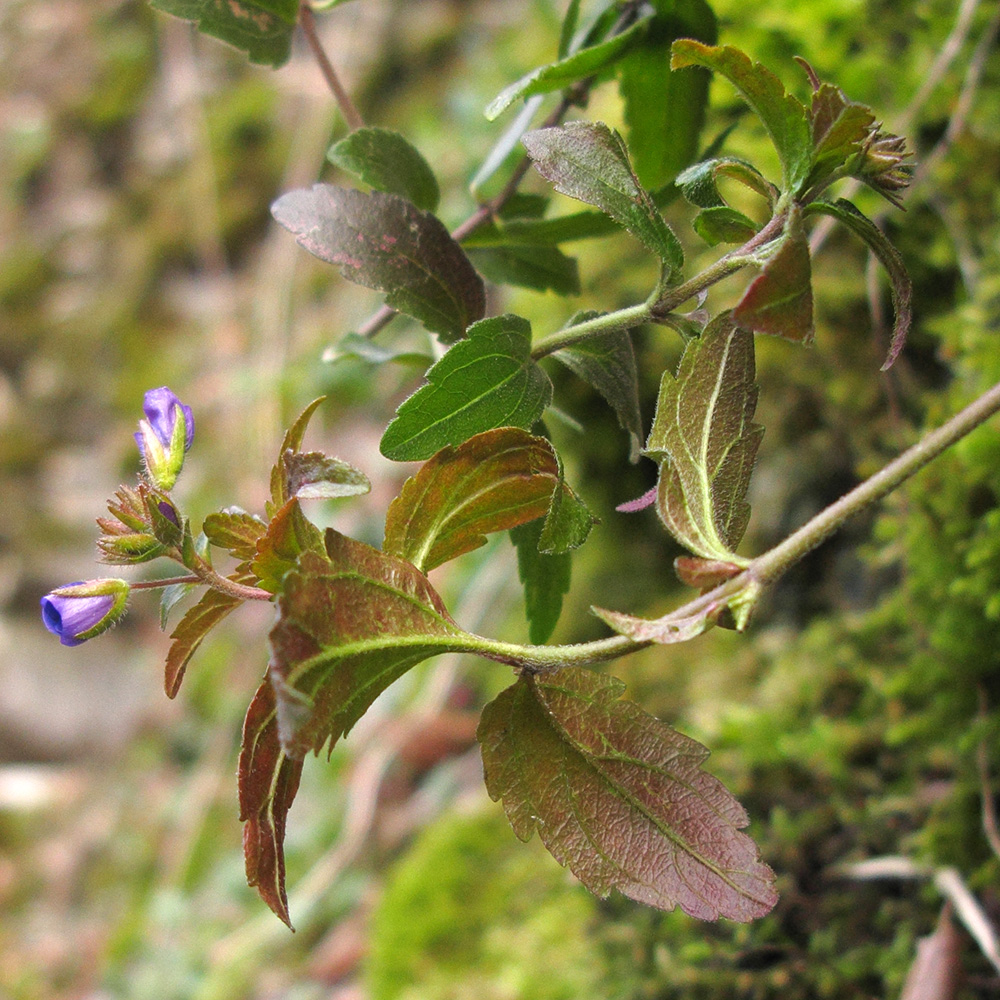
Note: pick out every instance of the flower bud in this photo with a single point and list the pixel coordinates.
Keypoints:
(79, 611)
(164, 436)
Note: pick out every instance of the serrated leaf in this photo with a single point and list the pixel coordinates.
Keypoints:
(783, 115)
(557, 75)
(899, 280)
(722, 224)
(289, 534)
(665, 110)
(268, 780)
(589, 162)
(311, 475)
(488, 380)
(292, 442)
(779, 300)
(619, 797)
(388, 162)
(608, 364)
(539, 267)
(700, 183)
(235, 530)
(706, 442)
(545, 578)
(384, 242)
(350, 621)
(494, 481)
(261, 28)
(196, 623)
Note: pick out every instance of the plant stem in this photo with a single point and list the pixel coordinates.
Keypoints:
(347, 107)
(767, 568)
(169, 581)
(621, 319)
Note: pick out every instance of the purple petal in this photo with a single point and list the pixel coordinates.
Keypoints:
(160, 406)
(640, 503)
(68, 617)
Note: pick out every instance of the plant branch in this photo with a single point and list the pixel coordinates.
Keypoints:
(347, 107)
(620, 319)
(224, 585)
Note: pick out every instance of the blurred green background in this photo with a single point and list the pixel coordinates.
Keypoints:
(137, 163)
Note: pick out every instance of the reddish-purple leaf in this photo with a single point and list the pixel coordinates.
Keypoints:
(494, 481)
(268, 780)
(663, 631)
(779, 300)
(704, 573)
(383, 241)
(619, 797)
(289, 534)
(280, 493)
(350, 622)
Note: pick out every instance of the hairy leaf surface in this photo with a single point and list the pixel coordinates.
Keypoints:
(545, 578)
(783, 115)
(268, 780)
(388, 162)
(619, 797)
(607, 363)
(706, 442)
(779, 300)
(488, 380)
(382, 241)
(494, 481)
(900, 285)
(350, 622)
(700, 183)
(311, 475)
(261, 28)
(236, 531)
(292, 442)
(289, 534)
(589, 162)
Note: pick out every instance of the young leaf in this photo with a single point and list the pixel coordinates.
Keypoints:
(488, 380)
(783, 115)
(235, 530)
(705, 440)
(589, 162)
(722, 224)
(704, 573)
(292, 442)
(311, 475)
(289, 534)
(779, 300)
(384, 242)
(900, 285)
(261, 28)
(839, 130)
(545, 578)
(607, 362)
(700, 184)
(619, 797)
(350, 622)
(665, 110)
(663, 631)
(196, 623)
(494, 481)
(567, 523)
(541, 268)
(557, 75)
(387, 162)
(357, 348)
(268, 780)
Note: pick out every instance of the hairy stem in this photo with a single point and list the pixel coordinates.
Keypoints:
(347, 107)
(621, 319)
(771, 565)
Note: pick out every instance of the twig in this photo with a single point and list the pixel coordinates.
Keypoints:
(990, 826)
(347, 107)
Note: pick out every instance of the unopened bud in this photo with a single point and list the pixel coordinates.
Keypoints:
(164, 436)
(79, 611)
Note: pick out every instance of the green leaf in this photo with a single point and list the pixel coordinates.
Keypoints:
(568, 28)
(607, 363)
(350, 621)
(289, 534)
(261, 28)
(700, 183)
(665, 110)
(783, 115)
(196, 623)
(568, 522)
(706, 442)
(312, 475)
(779, 300)
(488, 380)
(619, 797)
(384, 242)
(268, 780)
(387, 162)
(589, 162)
(555, 76)
(545, 578)
(494, 481)
(900, 285)
(840, 128)
(235, 530)
(354, 347)
(539, 267)
(292, 442)
(722, 224)
(542, 232)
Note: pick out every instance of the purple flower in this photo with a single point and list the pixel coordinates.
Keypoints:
(79, 611)
(164, 436)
